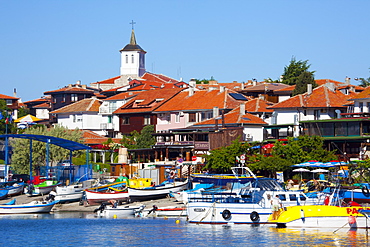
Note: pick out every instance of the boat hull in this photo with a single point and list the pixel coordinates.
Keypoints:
(321, 216)
(70, 193)
(33, 207)
(96, 197)
(119, 211)
(153, 193)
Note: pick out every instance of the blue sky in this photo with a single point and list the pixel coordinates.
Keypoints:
(46, 45)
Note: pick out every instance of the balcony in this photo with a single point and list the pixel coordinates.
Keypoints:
(106, 126)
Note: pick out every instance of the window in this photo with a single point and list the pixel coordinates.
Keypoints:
(368, 106)
(125, 120)
(361, 106)
(9, 102)
(74, 118)
(109, 119)
(147, 120)
(192, 117)
(73, 97)
(64, 98)
(132, 58)
(177, 117)
(126, 58)
(316, 114)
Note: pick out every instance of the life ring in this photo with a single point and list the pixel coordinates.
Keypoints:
(226, 214)
(365, 191)
(255, 216)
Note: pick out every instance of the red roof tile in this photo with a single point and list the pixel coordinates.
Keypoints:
(258, 105)
(234, 117)
(85, 105)
(199, 100)
(122, 96)
(91, 138)
(147, 101)
(107, 81)
(363, 95)
(321, 97)
(70, 90)
(3, 96)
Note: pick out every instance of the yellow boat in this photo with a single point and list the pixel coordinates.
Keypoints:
(318, 216)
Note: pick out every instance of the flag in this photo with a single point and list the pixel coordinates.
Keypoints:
(8, 119)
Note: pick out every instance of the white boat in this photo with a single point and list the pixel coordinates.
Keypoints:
(28, 208)
(246, 205)
(171, 211)
(118, 211)
(182, 196)
(69, 193)
(97, 197)
(156, 192)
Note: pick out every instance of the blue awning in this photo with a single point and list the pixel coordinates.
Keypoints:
(67, 144)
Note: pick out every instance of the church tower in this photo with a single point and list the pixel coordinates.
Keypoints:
(132, 60)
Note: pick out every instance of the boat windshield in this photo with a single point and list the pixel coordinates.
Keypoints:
(263, 184)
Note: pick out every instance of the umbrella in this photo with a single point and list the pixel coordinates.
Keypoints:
(301, 170)
(333, 163)
(27, 119)
(320, 170)
(311, 163)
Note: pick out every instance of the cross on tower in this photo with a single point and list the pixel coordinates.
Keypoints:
(132, 23)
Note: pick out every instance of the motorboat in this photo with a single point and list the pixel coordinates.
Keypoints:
(248, 203)
(156, 192)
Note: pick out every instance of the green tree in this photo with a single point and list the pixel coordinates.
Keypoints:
(303, 80)
(302, 149)
(146, 139)
(21, 155)
(363, 82)
(222, 159)
(270, 165)
(294, 70)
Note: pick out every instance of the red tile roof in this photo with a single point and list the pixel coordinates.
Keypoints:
(158, 78)
(258, 105)
(122, 96)
(85, 105)
(3, 96)
(147, 101)
(91, 138)
(363, 95)
(107, 81)
(70, 90)
(321, 97)
(199, 100)
(43, 105)
(234, 117)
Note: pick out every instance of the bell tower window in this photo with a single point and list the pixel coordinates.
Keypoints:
(126, 58)
(132, 58)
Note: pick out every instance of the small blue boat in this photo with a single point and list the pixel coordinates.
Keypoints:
(3, 194)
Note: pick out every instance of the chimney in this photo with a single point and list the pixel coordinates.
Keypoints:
(242, 109)
(15, 93)
(192, 83)
(222, 89)
(242, 85)
(191, 91)
(254, 82)
(348, 80)
(78, 82)
(215, 111)
(309, 89)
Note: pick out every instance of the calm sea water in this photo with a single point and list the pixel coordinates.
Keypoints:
(83, 229)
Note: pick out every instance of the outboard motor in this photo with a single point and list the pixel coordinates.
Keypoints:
(51, 196)
(101, 208)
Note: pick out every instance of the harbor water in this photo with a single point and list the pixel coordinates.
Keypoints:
(84, 229)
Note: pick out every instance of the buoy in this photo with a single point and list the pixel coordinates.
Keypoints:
(351, 220)
(165, 217)
(177, 221)
(114, 216)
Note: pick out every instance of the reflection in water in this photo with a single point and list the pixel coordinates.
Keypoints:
(84, 229)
